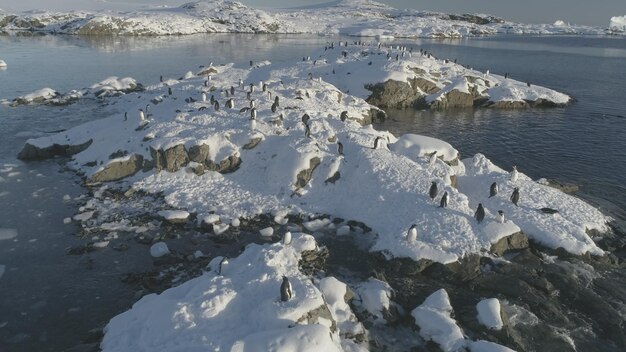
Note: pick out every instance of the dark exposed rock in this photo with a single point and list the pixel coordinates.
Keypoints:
(171, 159)
(228, 165)
(31, 152)
(452, 100)
(313, 317)
(305, 175)
(119, 169)
(393, 94)
(253, 143)
(199, 153)
(313, 261)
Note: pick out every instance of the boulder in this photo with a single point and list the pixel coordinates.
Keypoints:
(32, 152)
(228, 165)
(516, 241)
(199, 153)
(394, 94)
(305, 175)
(453, 99)
(171, 159)
(118, 170)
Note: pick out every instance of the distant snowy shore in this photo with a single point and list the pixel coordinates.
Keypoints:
(346, 17)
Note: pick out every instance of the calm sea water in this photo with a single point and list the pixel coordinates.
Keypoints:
(48, 300)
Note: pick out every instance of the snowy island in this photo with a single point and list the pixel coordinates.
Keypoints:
(346, 17)
(227, 144)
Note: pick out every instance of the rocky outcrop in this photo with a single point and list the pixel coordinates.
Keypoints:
(171, 159)
(32, 152)
(453, 99)
(319, 315)
(514, 242)
(253, 143)
(118, 170)
(228, 165)
(305, 175)
(394, 94)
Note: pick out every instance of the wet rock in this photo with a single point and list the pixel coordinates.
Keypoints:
(425, 85)
(360, 225)
(80, 249)
(31, 152)
(510, 243)
(304, 176)
(253, 143)
(393, 94)
(144, 238)
(228, 165)
(507, 105)
(313, 261)
(119, 169)
(453, 99)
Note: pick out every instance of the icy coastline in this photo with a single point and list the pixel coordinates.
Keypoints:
(347, 17)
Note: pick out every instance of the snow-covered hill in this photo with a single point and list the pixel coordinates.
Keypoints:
(349, 17)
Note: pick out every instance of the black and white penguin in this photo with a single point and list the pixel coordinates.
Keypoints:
(433, 159)
(240, 83)
(253, 114)
(244, 109)
(493, 190)
(432, 192)
(142, 116)
(305, 119)
(230, 103)
(223, 262)
(126, 116)
(251, 63)
(344, 116)
(480, 213)
(515, 196)
(307, 131)
(339, 148)
(528, 84)
(251, 88)
(252, 104)
(276, 101)
(376, 141)
(212, 99)
(264, 87)
(286, 292)
(232, 90)
(274, 107)
(203, 97)
(500, 216)
(216, 105)
(161, 79)
(411, 235)
(514, 174)
(169, 90)
(444, 201)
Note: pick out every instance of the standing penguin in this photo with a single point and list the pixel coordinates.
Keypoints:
(230, 103)
(515, 196)
(377, 141)
(286, 292)
(203, 97)
(251, 88)
(514, 174)
(307, 131)
(305, 119)
(432, 192)
(252, 104)
(411, 235)
(287, 238)
(274, 107)
(276, 101)
(344, 116)
(253, 114)
(444, 201)
(212, 99)
(161, 79)
(340, 148)
(433, 159)
(169, 90)
(493, 190)
(500, 216)
(217, 105)
(240, 83)
(142, 116)
(480, 213)
(232, 90)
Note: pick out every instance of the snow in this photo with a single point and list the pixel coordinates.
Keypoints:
(618, 23)
(3, 64)
(435, 323)
(83, 216)
(375, 296)
(44, 93)
(173, 214)
(267, 232)
(385, 188)
(489, 313)
(486, 346)
(159, 249)
(236, 311)
(7, 234)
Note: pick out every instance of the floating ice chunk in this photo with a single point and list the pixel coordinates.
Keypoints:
(174, 215)
(316, 225)
(101, 244)
(267, 232)
(83, 216)
(7, 234)
(67, 198)
(198, 254)
(343, 230)
(67, 220)
(489, 313)
(486, 346)
(210, 219)
(220, 228)
(235, 222)
(3, 64)
(159, 249)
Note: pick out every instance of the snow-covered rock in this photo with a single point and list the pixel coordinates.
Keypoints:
(618, 24)
(239, 310)
(375, 297)
(287, 172)
(489, 313)
(435, 323)
(3, 64)
(174, 216)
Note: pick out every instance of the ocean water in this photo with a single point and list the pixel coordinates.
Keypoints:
(49, 300)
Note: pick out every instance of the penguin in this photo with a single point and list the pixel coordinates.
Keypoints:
(433, 159)
(549, 211)
(444, 201)
(223, 262)
(269, 95)
(276, 101)
(212, 99)
(339, 148)
(305, 119)
(286, 292)
(240, 83)
(264, 87)
(203, 96)
(253, 114)
(252, 104)
(432, 192)
(506, 75)
(514, 174)
(244, 109)
(232, 90)
(528, 84)
(493, 190)
(248, 95)
(251, 63)
(376, 142)
(217, 105)
(274, 107)
(161, 79)
(251, 88)
(126, 116)
(230, 103)
(307, 131)
(411, 235)
(169, 90)
(480, 213)
(287, 238)
(500, 216)
(515, 196)
(344, 116)
(142, 116)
